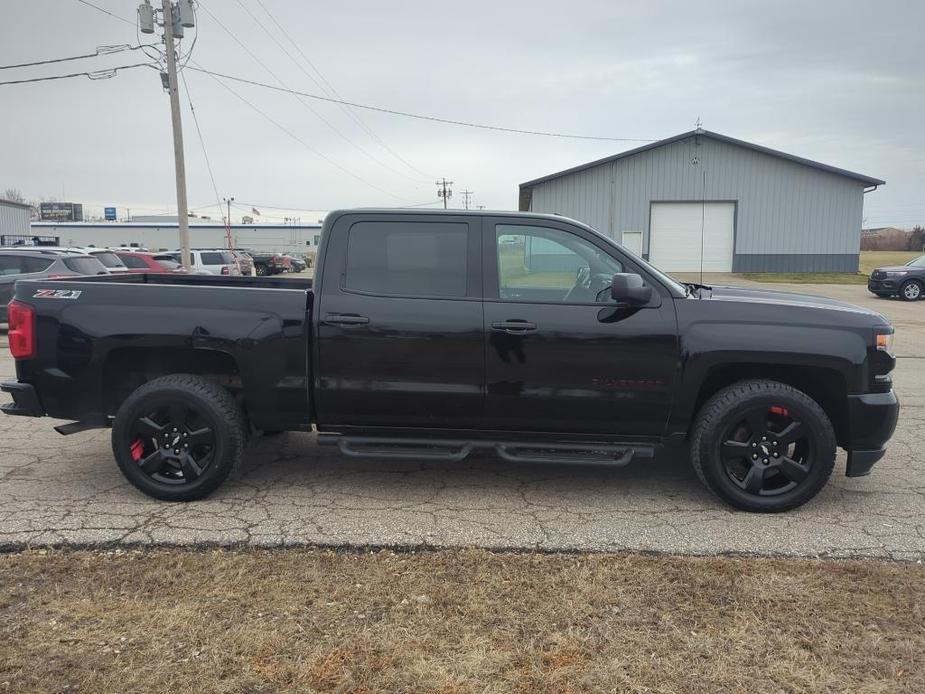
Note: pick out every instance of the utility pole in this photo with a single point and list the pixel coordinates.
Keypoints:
(467, 196)
(179, 163)
(444, 191)
(174, 18)
(228, 202)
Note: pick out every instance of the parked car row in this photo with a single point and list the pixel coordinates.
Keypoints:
(22, 263)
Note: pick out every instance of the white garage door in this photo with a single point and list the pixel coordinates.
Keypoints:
(675, 236)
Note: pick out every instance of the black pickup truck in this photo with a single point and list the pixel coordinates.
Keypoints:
(434, 334)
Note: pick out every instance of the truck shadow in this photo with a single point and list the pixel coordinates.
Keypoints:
(293, 461)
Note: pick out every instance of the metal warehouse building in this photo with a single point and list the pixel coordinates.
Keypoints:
(701, 197)
(14, 218)
(279, 238)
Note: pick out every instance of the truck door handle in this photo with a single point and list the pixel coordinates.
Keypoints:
(513, 326)
(345, 319)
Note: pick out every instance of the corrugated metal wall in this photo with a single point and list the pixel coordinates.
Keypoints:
(14, 219)
(784, 208)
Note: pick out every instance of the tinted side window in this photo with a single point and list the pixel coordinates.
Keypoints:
(408, 258)
(13, 264)
(214, 259)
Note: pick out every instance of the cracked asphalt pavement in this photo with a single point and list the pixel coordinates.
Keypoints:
(57, 490)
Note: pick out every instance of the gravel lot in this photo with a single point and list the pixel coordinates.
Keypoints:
(67, 490)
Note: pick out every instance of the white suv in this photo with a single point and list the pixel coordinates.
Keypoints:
(215, 262)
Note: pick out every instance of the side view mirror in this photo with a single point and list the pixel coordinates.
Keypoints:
(628, 288)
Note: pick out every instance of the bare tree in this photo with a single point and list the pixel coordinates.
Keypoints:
(14, 195)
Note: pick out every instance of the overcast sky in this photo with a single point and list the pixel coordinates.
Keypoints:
(840, 81)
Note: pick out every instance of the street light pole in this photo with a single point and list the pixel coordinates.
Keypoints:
(179, 163)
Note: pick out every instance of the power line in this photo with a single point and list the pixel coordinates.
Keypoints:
(97, 75)
(100, 50)
(300, 140)
(283, 85)
(105, 11)
(406, 114)
(202, 142)
(329, 89)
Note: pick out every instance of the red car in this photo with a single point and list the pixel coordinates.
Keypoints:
(149, 262)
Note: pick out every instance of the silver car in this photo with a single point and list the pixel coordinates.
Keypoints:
(39, 263)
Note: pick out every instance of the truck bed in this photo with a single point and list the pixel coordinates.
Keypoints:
(101, 336)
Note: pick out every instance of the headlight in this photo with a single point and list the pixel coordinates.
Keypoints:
(885, 342)
(897, 273)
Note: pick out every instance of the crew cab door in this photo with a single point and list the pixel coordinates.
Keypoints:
(561, 356)
(399, 340)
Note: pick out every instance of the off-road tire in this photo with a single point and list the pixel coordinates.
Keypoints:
(721, 411)
(215, 405)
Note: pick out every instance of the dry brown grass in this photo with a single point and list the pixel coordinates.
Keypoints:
(455, 621)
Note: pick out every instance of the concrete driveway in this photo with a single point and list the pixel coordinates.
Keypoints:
(67, 490)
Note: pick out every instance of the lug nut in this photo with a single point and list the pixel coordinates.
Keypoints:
(754, 445)
(766, 461)
(763, 438)
(776, 454)
(754, 456)
(177, 451)
(775, 443)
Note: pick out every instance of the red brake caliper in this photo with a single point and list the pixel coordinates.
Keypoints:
(782, 411)
(137, 449)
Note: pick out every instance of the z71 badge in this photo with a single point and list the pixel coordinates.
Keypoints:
(57, 294)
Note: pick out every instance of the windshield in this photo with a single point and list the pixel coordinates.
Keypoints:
(918, 262)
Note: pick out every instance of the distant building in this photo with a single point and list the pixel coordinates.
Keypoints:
(14, 219)
(280, 238)
(881, 231)
(701, 200)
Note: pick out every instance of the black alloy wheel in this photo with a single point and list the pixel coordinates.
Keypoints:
(762, 445)
(178, 437)
(172, 444)
(767, 451)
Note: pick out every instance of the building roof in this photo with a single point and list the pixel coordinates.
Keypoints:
(13, 203)
(867, 180)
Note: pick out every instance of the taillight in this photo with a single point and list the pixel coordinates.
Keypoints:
(21, 321)
(225, 270)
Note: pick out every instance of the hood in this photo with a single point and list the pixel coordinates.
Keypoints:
(894, 268)
(780, 298)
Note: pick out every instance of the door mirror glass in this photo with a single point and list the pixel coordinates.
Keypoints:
(628, 288)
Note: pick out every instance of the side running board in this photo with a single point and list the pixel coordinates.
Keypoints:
(454, 450)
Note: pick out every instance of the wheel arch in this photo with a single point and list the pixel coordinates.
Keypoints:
(127, 368)
(826, 386)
